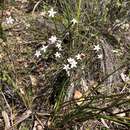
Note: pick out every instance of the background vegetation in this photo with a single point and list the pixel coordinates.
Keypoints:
(37, 92)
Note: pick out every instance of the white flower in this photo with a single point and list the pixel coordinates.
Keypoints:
(97, 47)
(44, 48)
(78, 57)
(66, 67)
(37, 54)
(53, 39)
(10, 20)
(57, 55)
(72, 62)
(58, 45)
(51, 12)
(74, 21)
(100, 56)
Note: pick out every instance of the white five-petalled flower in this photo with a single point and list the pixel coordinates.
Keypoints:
(74, 21)
(78, 57)
(52, 39)
(57, 55)
(100, 56)
(97, 47)
(37, 54)
(44, 48)
(58, 45)
(72, 62)
(51, 12)
(10, 20)
(66, 67)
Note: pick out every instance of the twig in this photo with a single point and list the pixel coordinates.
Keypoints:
(11, 114)
(36, 5)
(21, 118)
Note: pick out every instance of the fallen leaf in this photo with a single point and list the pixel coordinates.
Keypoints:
(78, 95)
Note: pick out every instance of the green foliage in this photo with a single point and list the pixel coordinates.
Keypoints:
(96, 22)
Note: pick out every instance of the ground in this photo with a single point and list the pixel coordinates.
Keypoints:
(64, 65)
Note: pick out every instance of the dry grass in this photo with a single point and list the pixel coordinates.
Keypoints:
(38, 93)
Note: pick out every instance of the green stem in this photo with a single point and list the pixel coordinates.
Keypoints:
(79, 10)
